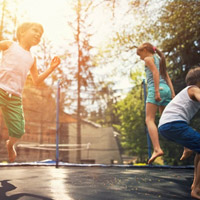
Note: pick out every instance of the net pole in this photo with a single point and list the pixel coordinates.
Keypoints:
(57, 123)
(148, 137)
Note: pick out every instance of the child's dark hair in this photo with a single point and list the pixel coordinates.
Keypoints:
(152, 49)
(25, 26)
(193, 76)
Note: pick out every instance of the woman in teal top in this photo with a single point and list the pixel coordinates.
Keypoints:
(160, 91)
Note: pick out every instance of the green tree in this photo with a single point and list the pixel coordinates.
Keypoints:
(83, 77)
(130, 111)
(178, 32)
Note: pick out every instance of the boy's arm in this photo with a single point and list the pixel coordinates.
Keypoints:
(39, 78)
(169, 82)
(149, 62)
(5, 44)
(194, 93)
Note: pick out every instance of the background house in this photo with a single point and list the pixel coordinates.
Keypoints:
(99, 145)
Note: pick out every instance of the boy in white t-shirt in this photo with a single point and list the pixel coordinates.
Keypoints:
(15, 64)
(174, 122)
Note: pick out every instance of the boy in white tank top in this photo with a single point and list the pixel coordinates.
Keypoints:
(174, 123)
(16, 62)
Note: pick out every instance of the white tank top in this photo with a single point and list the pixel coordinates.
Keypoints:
(15, 65)
(181, 108)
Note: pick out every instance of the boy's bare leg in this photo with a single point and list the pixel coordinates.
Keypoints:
(195, 172)
(186, 153)
(195, 193)
(153, 131)
(11, 149)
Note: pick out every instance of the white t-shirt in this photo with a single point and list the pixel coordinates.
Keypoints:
(15, 65)
(180, 108)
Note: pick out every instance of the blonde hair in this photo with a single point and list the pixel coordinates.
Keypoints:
(25, 26)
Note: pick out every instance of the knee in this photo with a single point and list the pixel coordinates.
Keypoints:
(149, 120)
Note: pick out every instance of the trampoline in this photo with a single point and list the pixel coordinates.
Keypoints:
(94, 182)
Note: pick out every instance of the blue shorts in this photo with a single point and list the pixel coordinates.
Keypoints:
(165, 94)
(181, 133)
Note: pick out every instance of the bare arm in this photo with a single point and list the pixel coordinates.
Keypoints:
(39, 78)
(149, 61)
(194, 93)
(169, 83)
(5, 44)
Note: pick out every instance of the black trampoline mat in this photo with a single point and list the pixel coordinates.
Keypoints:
(94, 183)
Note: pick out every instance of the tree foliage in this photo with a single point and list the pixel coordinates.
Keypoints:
(132, 123)
(178, 30)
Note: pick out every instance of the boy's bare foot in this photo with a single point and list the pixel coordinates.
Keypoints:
(195, 194)
(186, 154)
(11, 151)
(155, 155)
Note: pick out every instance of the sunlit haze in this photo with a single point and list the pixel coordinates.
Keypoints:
(50, 13)
(54, 15)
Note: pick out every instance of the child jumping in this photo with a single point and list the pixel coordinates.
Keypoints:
(16, 62)
(160, 91)
(174, 122)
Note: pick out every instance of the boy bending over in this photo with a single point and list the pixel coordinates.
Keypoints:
(174, 122)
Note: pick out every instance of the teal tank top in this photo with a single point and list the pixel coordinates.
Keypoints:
(149, 75)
